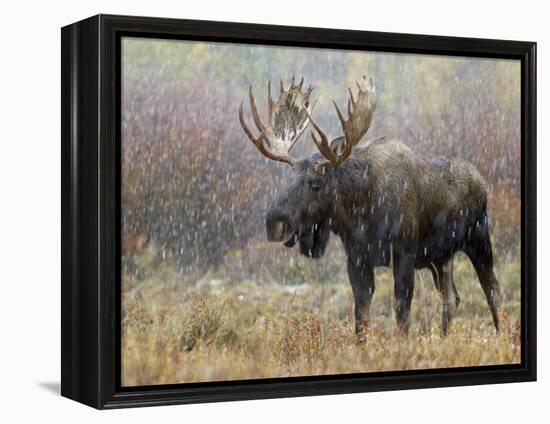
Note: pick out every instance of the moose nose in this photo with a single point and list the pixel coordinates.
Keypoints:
(277, 231)
(276, 225)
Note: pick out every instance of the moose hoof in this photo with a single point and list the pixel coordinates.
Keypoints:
(360, 334)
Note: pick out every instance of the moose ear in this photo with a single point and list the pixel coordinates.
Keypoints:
(337, 145)
(314, 240)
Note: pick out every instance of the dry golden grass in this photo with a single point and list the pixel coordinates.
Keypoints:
(217, 329)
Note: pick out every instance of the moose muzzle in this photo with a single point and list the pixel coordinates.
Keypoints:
(278, 226)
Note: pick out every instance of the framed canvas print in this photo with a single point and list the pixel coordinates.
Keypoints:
(254, 211)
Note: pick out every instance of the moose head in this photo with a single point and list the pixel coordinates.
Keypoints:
(303, 211)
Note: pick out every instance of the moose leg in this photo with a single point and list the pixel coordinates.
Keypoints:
(403, 275)
(361, 277)
(480, 253)
(443, 277)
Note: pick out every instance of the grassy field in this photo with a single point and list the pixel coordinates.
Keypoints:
(247, 320)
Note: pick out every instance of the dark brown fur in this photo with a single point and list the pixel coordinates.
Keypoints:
(391, 207)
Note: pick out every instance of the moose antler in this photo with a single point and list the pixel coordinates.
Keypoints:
(360, 112)
(288, 118)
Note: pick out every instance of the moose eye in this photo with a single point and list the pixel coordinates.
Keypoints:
(315, 185)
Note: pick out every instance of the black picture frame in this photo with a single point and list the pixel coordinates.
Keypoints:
(90, 222)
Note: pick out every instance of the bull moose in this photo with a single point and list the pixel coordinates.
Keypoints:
(389, 206)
